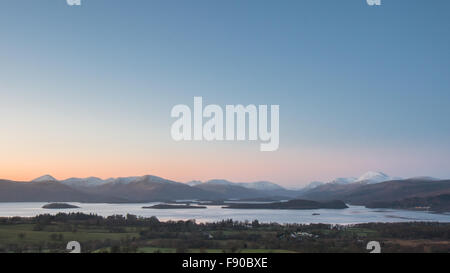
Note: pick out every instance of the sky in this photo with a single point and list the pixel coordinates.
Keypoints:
(87, 91)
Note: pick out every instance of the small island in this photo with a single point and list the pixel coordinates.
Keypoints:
(172, 206)
(59, 206)
(291, 204)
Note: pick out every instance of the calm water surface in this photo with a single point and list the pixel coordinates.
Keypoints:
(352, 215)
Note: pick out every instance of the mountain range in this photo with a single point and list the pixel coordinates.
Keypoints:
(388, 191)
(369, 188)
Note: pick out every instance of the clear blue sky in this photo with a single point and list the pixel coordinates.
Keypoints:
(360, 88)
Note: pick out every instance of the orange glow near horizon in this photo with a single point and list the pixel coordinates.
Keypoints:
(285, 168)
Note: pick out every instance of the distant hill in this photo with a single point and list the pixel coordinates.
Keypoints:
(194, 183)
(372, 177)
(84, 182)
(131, 189)
(439, 203)
(239, 190)
(362, 194)
(369, 177)
(230, 191)
(258, 185)
(46, 191)
(262, 185)
(153, 188)
(44, 178)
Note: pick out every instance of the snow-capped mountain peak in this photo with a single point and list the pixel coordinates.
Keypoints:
(219, 182)
(312, 185)
(44, 178)
(374, 177)
(84, 182)
(194, 183)
(344, 180)
(261, 185)
(370, 177)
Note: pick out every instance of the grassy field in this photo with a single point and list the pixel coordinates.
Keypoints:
(25, 234)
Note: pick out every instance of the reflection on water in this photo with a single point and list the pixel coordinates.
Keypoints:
(352, 215)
